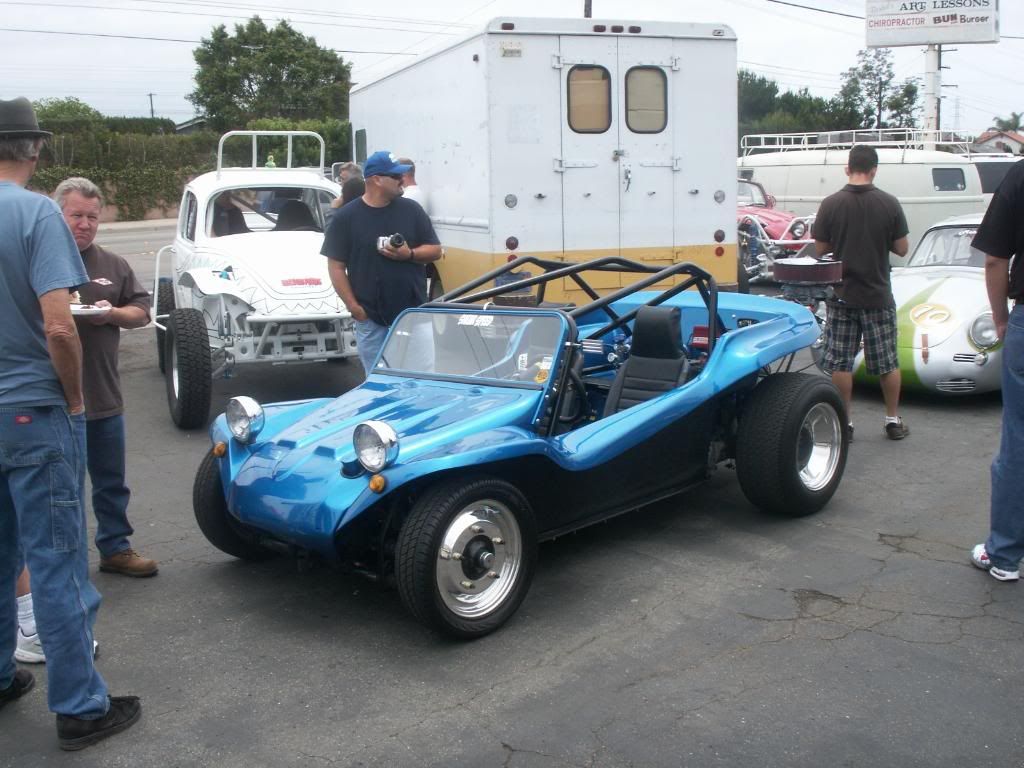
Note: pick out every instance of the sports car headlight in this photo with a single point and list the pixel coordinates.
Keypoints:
(983, 331)
(799, 230)
(376, 445)
(245, 418)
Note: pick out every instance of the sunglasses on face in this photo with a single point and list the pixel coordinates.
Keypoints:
(395, 176)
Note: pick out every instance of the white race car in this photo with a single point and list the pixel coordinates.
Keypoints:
(248, 283)
(947, 340)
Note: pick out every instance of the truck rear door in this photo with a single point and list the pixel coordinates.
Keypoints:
(617, 160)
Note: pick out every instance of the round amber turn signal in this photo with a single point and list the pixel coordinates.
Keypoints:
(220, 449)
(378, 483)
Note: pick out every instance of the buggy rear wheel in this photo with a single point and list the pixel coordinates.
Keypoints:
(213, 517)
(466, 556)
(188, 371)
(792, 444)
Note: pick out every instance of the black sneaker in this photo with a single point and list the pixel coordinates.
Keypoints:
(74, 733)
(896, 430)
(22, 683)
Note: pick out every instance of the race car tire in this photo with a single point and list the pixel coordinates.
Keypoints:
(466, 555)
(188, 369)
(213, 518)
(164, 304)
(792, 444)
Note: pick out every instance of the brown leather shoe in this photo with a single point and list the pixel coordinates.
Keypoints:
(129, 563)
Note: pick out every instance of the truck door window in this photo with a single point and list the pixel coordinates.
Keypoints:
(590, 99)
(646, 98)
(948, 179)
(191, 209)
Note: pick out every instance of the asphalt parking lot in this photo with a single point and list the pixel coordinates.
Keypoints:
(695, 632)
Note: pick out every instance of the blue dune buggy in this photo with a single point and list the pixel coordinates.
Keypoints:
(493, 420)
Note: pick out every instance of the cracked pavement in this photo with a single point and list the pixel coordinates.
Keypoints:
(695, 632)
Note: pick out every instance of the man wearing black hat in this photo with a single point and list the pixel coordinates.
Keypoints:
(42, 448)
(378, 283)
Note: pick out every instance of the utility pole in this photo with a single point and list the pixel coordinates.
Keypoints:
(587, 9)
(932, 86)
(151, 112)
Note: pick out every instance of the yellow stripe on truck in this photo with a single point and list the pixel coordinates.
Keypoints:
(459, 266)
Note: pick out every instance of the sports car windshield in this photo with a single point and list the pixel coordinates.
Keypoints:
(947, 247)
(507, 346)
(750, 194)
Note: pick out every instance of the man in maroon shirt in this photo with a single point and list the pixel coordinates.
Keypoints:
(113, 286)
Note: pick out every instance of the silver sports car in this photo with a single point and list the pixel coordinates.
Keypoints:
(947, 340)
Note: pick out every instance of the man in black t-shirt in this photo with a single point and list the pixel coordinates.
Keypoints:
(861, 224)
(1001, 238)
(376, 284)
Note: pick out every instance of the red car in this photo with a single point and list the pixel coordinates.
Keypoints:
(765, 232)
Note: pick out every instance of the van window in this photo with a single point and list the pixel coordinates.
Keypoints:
(948, 179)
(646, 96)
(361, 146)
(590, 99)
(191, 209)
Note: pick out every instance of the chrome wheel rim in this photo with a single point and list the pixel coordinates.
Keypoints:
(818, 447)
(172, 366)
(479, 560)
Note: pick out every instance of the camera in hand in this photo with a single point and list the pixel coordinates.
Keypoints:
(395, 241)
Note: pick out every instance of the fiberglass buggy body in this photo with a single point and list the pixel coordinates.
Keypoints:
(492, 421)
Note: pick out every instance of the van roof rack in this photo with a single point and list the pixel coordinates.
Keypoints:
(896, 138)
(256, 134)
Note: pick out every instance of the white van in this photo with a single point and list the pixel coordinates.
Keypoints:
(801, 170)
(568, 139)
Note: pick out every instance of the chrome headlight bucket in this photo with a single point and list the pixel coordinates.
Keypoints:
(799, 230)
(376, 445)
(982, 332)
(245, 418)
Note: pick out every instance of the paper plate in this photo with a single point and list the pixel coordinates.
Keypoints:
(84, 310)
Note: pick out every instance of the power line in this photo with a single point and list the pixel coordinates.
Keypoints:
(213, 15)
(165, 39)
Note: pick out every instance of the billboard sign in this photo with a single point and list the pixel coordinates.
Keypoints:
(926, 22)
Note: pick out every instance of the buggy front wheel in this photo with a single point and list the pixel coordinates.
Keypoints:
(466, 556)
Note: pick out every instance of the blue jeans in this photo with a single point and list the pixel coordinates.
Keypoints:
(42, 473)
(1005, 545)
(105, 458)
(369, 342)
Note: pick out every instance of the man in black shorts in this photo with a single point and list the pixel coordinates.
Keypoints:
(861, 224)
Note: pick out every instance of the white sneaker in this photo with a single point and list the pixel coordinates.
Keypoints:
(30, 650)
(981, 560)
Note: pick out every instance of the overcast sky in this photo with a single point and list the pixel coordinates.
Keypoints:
(795, 47)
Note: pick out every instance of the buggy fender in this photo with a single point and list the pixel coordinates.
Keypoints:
(208, 283)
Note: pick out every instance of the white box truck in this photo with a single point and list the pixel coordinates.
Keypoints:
(568, 139)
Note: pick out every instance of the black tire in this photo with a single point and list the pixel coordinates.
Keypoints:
(792, 444)
(503, 542)
(188, 368)
(164, 304)
(212, 514)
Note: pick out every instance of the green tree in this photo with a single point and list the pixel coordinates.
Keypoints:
(260, 73)
(757, 95)
(66, 115)
(1011, 123)
(871, 93)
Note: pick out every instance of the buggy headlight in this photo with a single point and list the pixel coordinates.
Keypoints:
(376, 445)
(245, 418)
(983, 331)
(799, 230)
